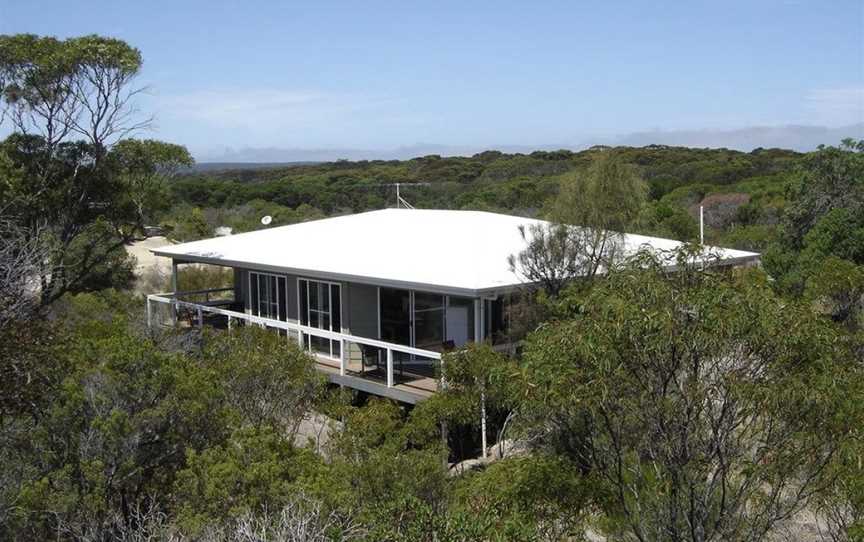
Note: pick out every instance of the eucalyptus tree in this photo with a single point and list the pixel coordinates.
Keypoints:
(824, 217)
(709, 408)
(81, 87)
(588, 217)
(69, 174)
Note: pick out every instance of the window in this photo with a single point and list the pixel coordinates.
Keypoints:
(267, 295)
(320, 306)
(460, 320)
(495, 320)
(425, 320)
(428, 321)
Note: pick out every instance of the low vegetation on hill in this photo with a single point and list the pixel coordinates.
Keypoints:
(743, 193)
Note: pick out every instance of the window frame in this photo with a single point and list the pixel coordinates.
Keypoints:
(301, 316)
(272, 302)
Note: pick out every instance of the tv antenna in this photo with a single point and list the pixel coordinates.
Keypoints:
(400, 201)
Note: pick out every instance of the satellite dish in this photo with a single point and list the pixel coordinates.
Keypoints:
(266, 220)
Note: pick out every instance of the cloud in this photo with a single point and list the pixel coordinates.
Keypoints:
(261, 109)
(796, 137)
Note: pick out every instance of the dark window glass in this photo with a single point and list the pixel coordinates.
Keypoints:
(460, 320)
(323, 296)
(313, 295)
(428, 320)
(253, 293)
(283, 305)
(304, 303)
(319, 345)
(336, 299)
(494, 319)
(396, 316)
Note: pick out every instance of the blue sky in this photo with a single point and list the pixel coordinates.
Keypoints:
(382, 75)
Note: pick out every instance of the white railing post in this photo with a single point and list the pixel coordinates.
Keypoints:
(229, 322)
(483, 423)
(343, 357)
(200, 318)
(174, 306)
(389, 368)
(148, 310)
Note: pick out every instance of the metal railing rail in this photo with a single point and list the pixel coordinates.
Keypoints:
(343, 338)
(206, 293)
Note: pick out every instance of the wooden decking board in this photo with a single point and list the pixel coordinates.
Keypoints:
(410, 392)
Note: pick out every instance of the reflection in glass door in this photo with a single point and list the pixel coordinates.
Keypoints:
(428, 321)
(395, 316)
(460, 320)
(423, 320)
(321, 308)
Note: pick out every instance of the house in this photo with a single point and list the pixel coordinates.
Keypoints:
(376, 296)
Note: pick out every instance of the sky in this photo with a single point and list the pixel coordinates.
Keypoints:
(275, 81)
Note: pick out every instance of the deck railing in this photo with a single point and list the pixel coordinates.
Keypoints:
(176, 304)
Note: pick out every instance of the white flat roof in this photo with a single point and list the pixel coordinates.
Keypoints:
(448, 251)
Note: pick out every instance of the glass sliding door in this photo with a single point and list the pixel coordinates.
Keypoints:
(428, 321)
(395, 316)
(460, 320)
(321, 307)
(495, 320)
(425, 320)
(267, 295)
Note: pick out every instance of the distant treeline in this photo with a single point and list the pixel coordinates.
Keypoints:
(747, 188)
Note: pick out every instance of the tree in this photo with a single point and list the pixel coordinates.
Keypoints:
(825, 216)
(664, 383)
(192, 226)
(390, 474)
(75, 87)
(608, 196)
(68, 175)
(76, 210)
(21, 257)
(255, 470)
(588, 217)
(268, 380)
(145, 167)
(112, 432)
(533, 497)
(830, 178)
(837, 287)
(477, 389)
(556, 254)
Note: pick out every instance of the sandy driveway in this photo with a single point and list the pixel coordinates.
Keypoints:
(152, 271)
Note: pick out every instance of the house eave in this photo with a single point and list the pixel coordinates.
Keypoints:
(488, 292)
(345, 277)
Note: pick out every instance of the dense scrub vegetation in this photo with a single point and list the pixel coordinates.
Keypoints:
(743, 192)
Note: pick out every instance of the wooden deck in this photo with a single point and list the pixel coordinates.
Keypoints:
(411, 381)
(408, 389)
